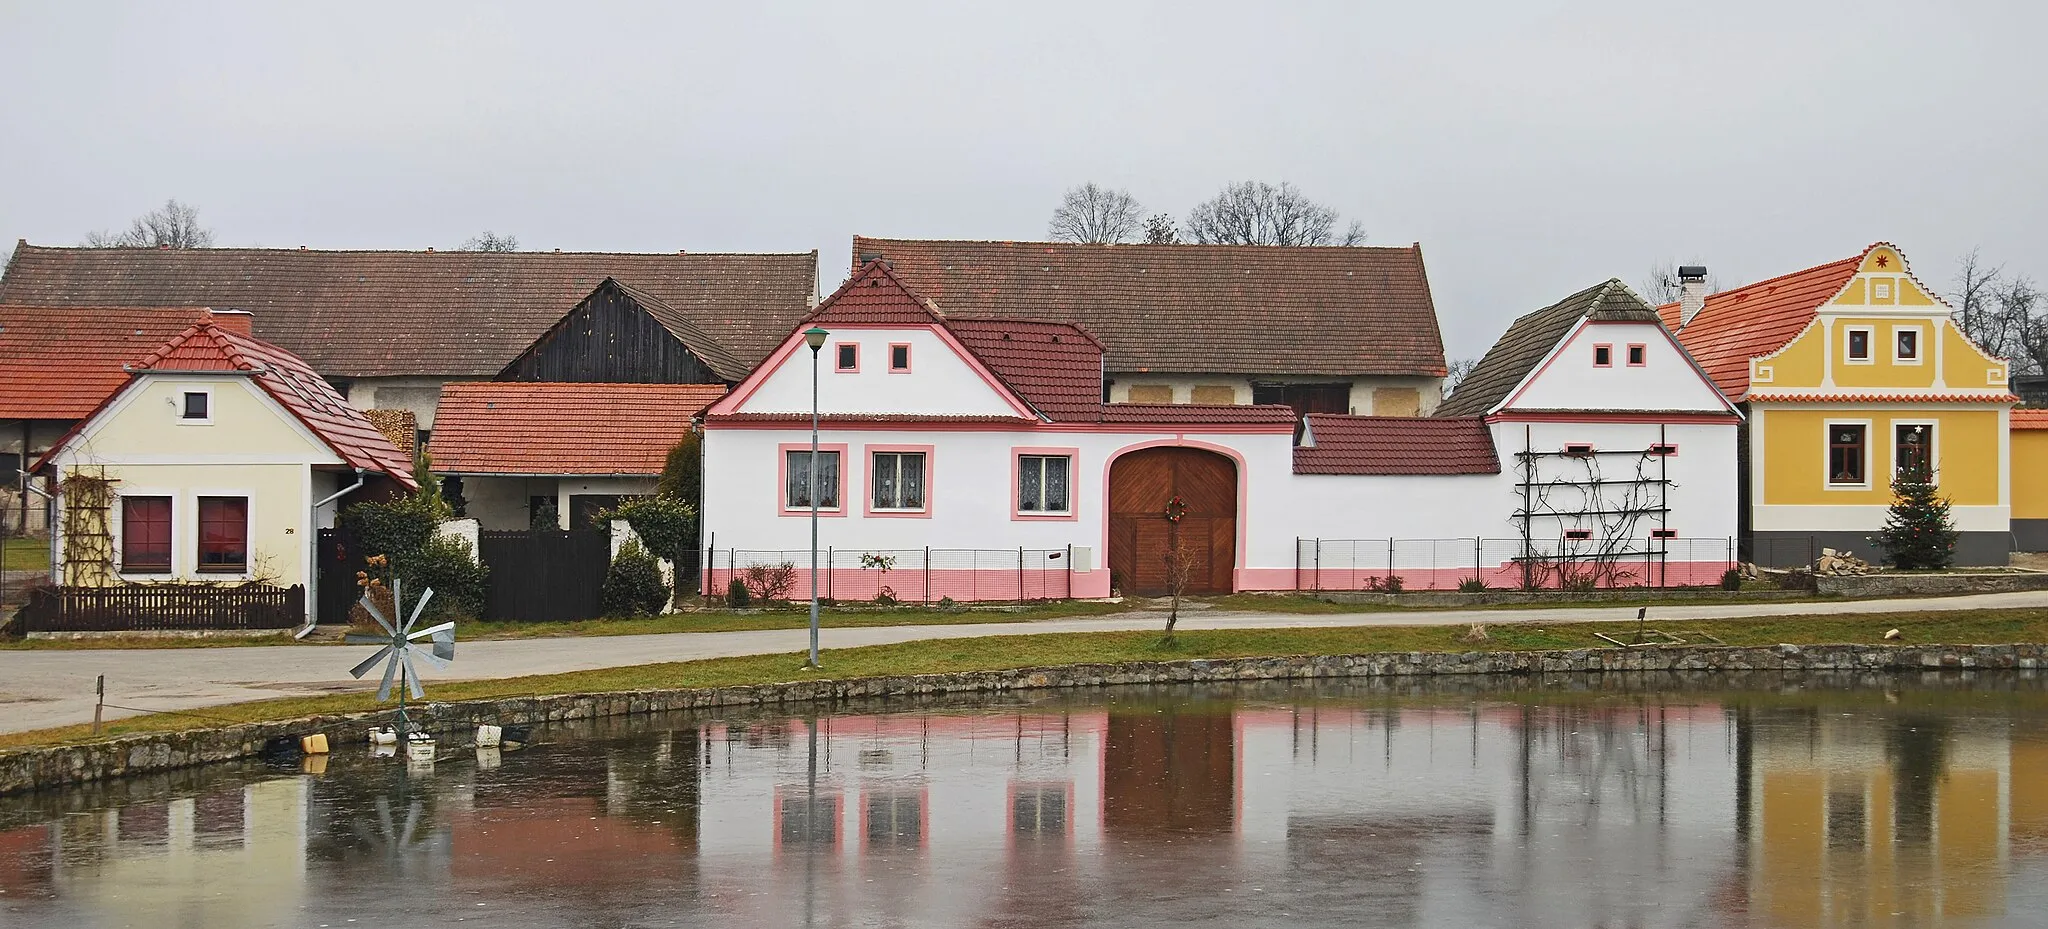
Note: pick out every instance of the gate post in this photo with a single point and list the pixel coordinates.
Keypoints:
(1020, 574)
(927, 574)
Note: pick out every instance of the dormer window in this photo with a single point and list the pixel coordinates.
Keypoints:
(1603, 356)
(846, 357)
(196, 406)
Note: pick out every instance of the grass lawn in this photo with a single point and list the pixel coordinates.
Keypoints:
(24, 554)
(1007, 652)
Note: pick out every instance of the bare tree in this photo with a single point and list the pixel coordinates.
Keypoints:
(1455, 371)
(1258, 213)
(174, 225)
(1092, 213)
(2020, 303)
(1182, 564)
(1660, 285)
(1976, 284)
(490, 242)
(1160, 229)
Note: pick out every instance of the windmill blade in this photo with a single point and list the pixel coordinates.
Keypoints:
(412, 675)
(419, 609)
(370, 607)
(357, 638)
(431, 630)
(444, 644)
(391, 668)
(359, 670)
(438, 661)
(412, 822)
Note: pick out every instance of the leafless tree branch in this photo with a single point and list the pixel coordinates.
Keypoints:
(174, 225)
(1258, 213)
(1092, 213)
(490, 242)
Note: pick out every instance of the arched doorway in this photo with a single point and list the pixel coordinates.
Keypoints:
(1141, 485)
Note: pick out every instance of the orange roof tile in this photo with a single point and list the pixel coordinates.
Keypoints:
(2030, 419)
(514, 427)
(1396, 445)
(60, 362)
(1750, 322)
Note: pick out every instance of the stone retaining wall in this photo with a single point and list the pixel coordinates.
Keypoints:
(29, 769)
(1929, 585)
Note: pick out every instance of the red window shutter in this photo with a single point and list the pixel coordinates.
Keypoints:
(145, 534)
(224, 534)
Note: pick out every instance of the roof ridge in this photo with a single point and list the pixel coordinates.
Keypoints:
(679, 253)
(1857, 258)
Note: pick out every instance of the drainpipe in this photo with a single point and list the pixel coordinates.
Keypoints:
(313, 577)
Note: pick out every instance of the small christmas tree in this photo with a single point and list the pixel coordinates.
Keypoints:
(1917, 530)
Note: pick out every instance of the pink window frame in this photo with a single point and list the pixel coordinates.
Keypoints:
(1671, 446)
(1609, 348)
(893, 346)
(1073, 513)
(924, 813)
(1578, 535)
(783, 795)
(1663, 533)
(1590, 449)
(782, 478)
(867, 491)
(836, 369)
(1633, 349)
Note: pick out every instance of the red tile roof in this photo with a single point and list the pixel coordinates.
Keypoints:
(873, 296)
(1192, 414)
(293, 384)
(524, 427)
(1750, 322)
(60, 362)
(1056, 367)
(1195, 309)
(449, 314)
(1396, 445)
(2030, 419)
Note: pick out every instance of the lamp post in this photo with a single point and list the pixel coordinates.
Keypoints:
(815, 338)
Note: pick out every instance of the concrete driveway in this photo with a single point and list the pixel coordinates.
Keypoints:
(39, 689)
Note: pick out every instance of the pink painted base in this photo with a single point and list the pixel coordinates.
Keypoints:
(1499, 577)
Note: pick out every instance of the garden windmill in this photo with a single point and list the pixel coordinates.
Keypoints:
(399, 648)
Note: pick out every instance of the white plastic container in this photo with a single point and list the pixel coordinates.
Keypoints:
(384, 736)
(420, 750)
(488, 736)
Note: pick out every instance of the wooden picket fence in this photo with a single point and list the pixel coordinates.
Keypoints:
(163, 608)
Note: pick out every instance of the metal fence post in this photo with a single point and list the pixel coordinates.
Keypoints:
(1319, 564)
(1020, 574)
(828, 572)
(1297, 562)
(1478, 561)
(927, 574)
(1390, 559)
(1070, 570)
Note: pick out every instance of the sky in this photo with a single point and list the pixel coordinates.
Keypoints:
(1533, 148)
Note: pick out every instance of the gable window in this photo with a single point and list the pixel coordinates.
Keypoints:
(1663, 533)
(1578, 534)
(899, 358)
(1638, 356)
(1913, 448)
(145, 534)
(1663, 450)
(1846, 445)
(1578, 450)
(1603, 356)
(1042, 483)
(798, 471)
(224, 534)
(1859, 344)
(846, 357)
(1039, 811)
(197, 406)
(1906, 345)
(898, 480)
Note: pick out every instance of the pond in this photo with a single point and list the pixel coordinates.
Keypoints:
(1608, 800)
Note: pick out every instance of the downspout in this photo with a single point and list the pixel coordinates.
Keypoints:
(313, 577)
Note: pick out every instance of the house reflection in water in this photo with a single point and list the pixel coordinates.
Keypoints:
(1893, 817)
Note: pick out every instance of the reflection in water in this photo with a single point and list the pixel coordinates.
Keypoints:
(1639, 802)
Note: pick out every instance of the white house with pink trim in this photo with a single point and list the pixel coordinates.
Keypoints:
(978, 460)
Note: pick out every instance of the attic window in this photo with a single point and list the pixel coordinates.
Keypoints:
(899, 358)
(1579, 450)
(1663, 533)
(1603, 356)
(846, 357)
(1637, 356)
(1577, 534)
(197, 407)
(1663, 450)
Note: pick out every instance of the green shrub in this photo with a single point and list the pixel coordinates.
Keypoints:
(736, 594)
(1731, 579)
(633, 586)
(403, 531)
(398, 528)
(667, 525)
(1472, 585)
(449, 566)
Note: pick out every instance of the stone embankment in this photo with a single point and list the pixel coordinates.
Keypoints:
(30, 769)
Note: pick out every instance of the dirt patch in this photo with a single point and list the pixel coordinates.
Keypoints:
(2035, 561)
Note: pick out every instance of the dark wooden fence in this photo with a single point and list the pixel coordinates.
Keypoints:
(163, 608)
(337, 556)
(545, 575)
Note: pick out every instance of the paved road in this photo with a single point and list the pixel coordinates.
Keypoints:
(39, 689)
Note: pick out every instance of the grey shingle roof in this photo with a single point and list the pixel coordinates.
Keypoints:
(1531, 338)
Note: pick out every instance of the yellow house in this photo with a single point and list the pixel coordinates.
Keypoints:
(214, 465)
(1849, 372)
(2030, 480)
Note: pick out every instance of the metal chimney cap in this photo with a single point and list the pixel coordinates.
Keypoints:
(1692, 272)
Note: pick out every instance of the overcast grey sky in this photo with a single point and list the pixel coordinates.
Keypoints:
(1533, 148)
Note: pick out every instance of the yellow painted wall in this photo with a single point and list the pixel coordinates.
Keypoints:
(1965, 365)
(2030, 474)
(1799, 364)
(278, 511)
(1881, 371)
(244, 423)
(1795, 455)
(1794, 827)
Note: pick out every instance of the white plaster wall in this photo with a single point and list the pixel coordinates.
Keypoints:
(939, 383)
(1666, 381)
(1702, 493)
(1429, 389)
(567, 487)
(418, 394)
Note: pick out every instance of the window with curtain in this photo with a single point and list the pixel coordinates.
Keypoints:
(1042, 483)
(224, 534)
(799, 470)
(1845, 453)
(898, 480)
(145, 534)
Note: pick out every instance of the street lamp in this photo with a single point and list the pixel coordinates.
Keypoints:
(815, 338)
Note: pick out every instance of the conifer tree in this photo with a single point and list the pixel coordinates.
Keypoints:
(1918, 532)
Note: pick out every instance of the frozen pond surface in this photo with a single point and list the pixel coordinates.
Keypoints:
(1620, 800)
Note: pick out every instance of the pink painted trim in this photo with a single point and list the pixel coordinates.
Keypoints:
(1182, 441)
(1073, 513)
(796, 420)
(867, 500)
(1616, 416)
(905, 346)
(1609, 348)
(1639, 348)
(1590, 449)
(837, 368)
(1671, 449)
(782, 478)
(760, 375)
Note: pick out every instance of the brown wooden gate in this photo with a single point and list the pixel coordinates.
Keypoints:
(1141, 484)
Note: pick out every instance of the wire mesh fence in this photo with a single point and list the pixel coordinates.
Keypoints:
(909, 575)
(24, 564)
(1451, 564)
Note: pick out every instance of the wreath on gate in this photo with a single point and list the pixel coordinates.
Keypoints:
(1175, 509)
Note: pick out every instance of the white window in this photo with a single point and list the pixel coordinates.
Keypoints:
(1906, 344)
(898, 480)
(1859, 344)
(1042, 483)
(799, 473)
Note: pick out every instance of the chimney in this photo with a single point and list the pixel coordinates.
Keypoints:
(1692, 292)
(239, 322)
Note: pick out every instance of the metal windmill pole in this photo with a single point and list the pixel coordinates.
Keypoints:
(397, 651)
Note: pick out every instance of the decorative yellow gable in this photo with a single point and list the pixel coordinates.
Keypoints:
(1882, 334)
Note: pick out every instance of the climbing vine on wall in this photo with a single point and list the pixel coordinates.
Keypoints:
(88, 527)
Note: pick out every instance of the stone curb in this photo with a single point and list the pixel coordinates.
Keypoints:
(34, 768)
